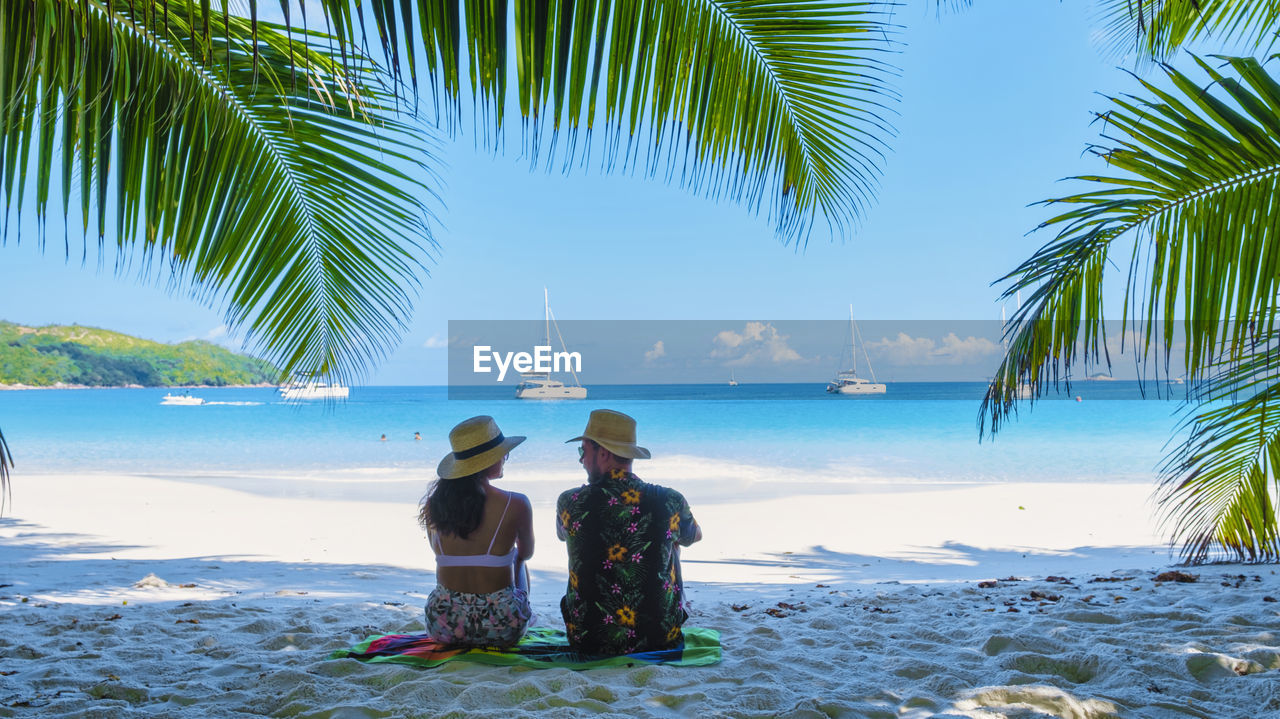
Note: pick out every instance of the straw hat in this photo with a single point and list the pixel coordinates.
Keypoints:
(477, 444)
(615, 432)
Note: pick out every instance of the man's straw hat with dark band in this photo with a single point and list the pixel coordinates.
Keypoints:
(477, 444)
(615, 432)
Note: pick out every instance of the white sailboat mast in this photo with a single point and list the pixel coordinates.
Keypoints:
(853, 329)
(853, 341)
(546, 304)
(546, 314)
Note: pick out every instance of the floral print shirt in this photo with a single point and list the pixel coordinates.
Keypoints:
(625, 589)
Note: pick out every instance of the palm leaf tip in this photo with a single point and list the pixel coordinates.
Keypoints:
(779, 105)
(1155, 30)
(1219, 489)
(6, 466)
(301, 206)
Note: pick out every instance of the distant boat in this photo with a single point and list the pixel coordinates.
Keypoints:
(540, 385)
(182, 400)
(1024, 390)
(732, 382)
(848, 381)
(314, 389)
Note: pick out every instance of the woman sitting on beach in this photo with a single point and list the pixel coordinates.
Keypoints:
(482, 536)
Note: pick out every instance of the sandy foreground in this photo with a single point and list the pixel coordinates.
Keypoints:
(145, 596)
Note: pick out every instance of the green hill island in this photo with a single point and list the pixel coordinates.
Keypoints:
(58, 355)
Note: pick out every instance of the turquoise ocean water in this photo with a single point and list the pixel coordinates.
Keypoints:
(919, 433)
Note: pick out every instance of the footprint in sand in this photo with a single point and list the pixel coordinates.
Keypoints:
(1213, 667)
(1076, 669)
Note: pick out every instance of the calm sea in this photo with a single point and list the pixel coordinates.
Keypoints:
(748, 439)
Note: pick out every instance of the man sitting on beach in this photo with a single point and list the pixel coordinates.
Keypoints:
(625, 591)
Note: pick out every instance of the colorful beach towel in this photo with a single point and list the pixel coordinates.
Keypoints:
(541, 647)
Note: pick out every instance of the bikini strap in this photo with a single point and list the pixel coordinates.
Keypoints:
(499, 527)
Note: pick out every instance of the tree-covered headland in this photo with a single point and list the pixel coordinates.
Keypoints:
(74, 355)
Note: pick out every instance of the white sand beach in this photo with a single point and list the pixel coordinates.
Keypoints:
(147, 596)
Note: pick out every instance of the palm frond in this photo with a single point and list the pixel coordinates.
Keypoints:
(6, 466)
(952, 5)
(1157, 29)
(1219, 490)
(779, 105)
(253, 163)
(1198, 199)
(1203, 173)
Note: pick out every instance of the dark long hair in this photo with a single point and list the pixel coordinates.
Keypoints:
(454, 506)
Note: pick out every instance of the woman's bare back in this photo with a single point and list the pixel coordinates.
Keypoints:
(507, 523)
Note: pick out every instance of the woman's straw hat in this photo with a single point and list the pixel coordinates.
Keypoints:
(477, 444)
(615, 432)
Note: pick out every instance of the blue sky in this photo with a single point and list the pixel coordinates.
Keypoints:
(996, 108)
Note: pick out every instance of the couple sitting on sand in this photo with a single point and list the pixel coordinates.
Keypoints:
(625, 590)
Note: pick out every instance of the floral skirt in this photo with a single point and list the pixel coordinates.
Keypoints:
(496, 619)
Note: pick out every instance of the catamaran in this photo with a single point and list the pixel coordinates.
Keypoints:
(540, 385)
(314, 389)
(848, 381)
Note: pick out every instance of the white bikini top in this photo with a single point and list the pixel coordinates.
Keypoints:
(477, 560)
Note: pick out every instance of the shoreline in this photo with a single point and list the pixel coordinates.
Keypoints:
(151, 595)
(62, 385)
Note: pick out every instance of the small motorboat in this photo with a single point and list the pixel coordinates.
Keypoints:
(181, 400)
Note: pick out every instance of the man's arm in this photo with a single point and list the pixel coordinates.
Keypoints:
(562, 521)
(690, 530)
(696, 537)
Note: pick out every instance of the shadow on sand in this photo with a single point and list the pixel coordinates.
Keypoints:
(82, 568)
(951, 562)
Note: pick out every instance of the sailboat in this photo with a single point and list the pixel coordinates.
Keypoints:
(732, 381)
(848, 381)
(540, 385)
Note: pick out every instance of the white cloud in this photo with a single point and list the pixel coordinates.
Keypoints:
(1132, 339)
(220, 335)
(758, 342)
(435, 342)
(907, 350)
(728, 339)
(659, 350)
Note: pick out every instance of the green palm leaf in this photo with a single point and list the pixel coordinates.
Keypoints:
(254, 164)
(1197, 198)
(1219, 489)
(777, 104)
(1159, 28)
(6, 465)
